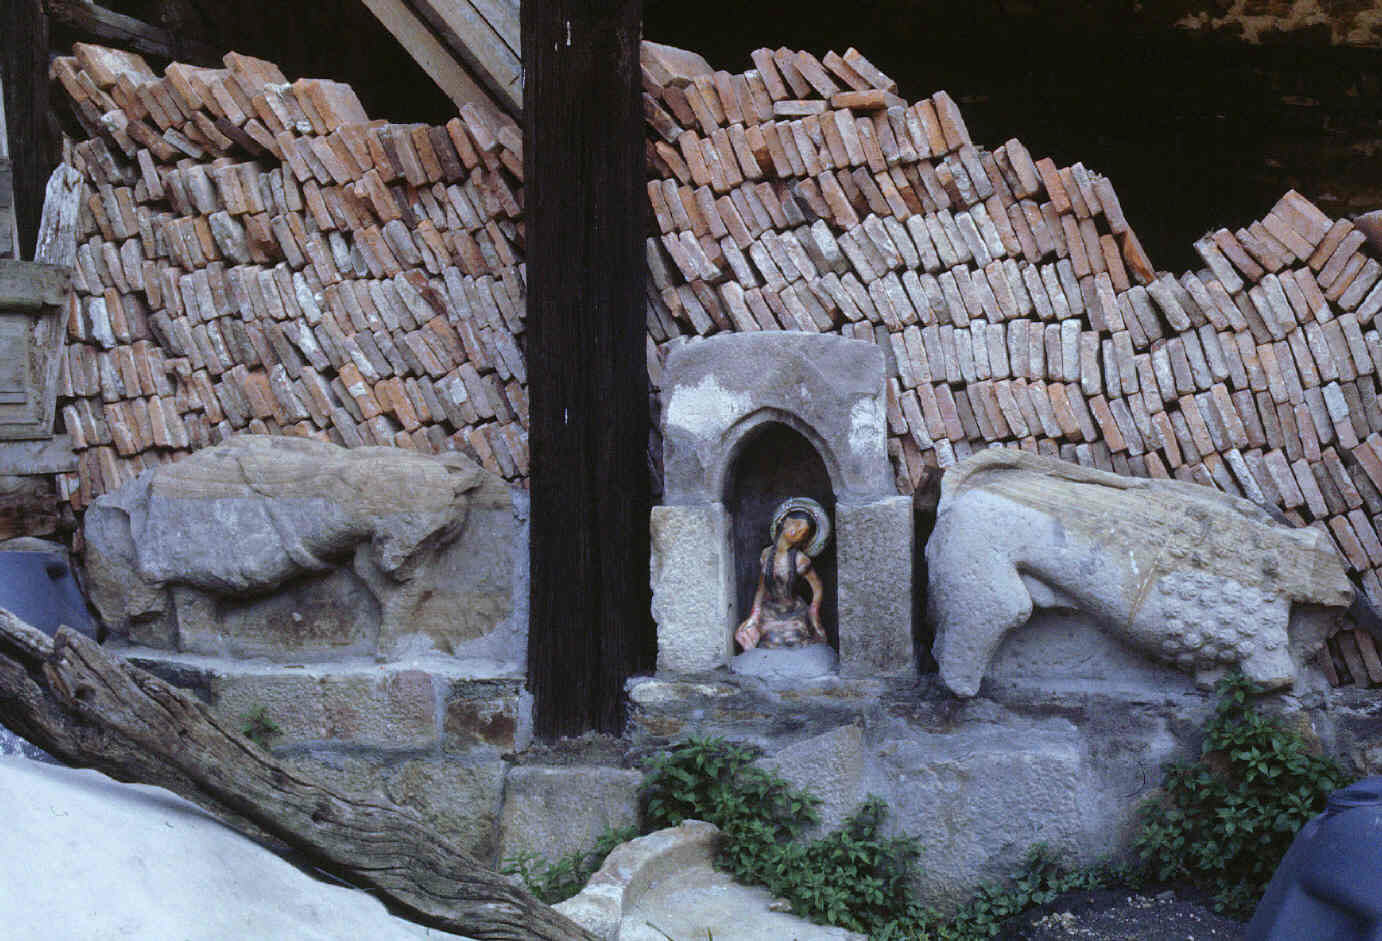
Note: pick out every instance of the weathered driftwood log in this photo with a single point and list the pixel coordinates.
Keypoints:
(92, 710)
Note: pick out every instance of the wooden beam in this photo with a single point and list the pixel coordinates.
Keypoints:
(31, 149)
(475, 30)
(9, 227)
(585, 204)
(428, 51)
(503, 17)
(56, 243)
(117, 29)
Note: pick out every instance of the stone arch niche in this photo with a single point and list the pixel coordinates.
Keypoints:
(726, 401)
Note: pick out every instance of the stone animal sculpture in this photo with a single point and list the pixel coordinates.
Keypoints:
(1191, 577)
(264, 545)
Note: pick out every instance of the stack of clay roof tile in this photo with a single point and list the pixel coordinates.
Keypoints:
(258, 256)
(1014, 303)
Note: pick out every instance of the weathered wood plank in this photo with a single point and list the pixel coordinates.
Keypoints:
(27, 285)
(24, 75)
(49, 456)
(429, 52)
(91, 710)
(9, 235)
(503, 16)
(57, 228)
(472, 38)
(28, 507)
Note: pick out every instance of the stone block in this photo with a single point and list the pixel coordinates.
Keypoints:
(978, 796)
(465, 594)
(666, 885)
(830, 388)
(835, 766)
(693, 598)
(632, 867)
(385, 709)
(458, 799)
(1351, 725)
(875, 543)
(1069, 653)
(487, 713)
(787, 667)
(333, 614)
(552, 811)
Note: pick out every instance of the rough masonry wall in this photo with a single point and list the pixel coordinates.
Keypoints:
(258, 256)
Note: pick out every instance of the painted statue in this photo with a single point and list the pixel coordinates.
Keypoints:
(781, 615)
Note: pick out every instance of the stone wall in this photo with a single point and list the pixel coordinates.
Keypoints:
(363, 283)
(1067, 738)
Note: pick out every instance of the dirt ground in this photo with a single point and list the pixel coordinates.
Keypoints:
(1124, 915)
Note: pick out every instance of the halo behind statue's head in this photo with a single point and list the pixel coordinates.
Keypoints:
(820, 529)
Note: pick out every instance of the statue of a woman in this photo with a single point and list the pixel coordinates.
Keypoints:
(781, 617)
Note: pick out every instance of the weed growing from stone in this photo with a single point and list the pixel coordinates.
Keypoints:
(256, 726)
(1042, 880)
(1226, 821)
(558, 881)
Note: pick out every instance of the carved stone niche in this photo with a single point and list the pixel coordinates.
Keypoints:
(749, 420)
(33, 297)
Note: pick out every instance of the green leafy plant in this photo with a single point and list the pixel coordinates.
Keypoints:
(1226, 820)
(256, 726)
(854, 877)
(984, 916)
(557, 881)
(1223, 822)
(716, 781)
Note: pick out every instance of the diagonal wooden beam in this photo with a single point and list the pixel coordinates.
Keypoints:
(459, 49)
(483, 35)
(94, 21)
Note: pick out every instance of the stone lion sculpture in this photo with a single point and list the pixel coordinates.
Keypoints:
(267, 545)
(1191, 577)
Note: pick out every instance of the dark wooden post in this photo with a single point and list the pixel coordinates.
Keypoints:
(24, 75)
(588, 384)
